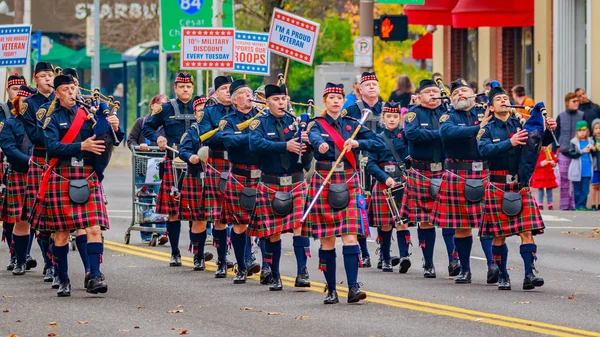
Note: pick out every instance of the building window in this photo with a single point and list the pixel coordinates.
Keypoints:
(464, 51)
(527, 44)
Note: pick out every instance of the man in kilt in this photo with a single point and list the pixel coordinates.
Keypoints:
(388, 169)
(175, 116)
(70, 195)
(244, 175)
(282, 187)
(425, 148)
(459, 202)
(509, 208)
(340, 210)
(191, 192)
(216, 165)
(16, 146)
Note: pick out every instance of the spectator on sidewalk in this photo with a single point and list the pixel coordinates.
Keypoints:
(581, 150)
(520, 98)
(590, 109)
(402, 92)
(354, 96)
(543, 177)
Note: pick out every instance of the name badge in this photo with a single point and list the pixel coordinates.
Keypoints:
(285, 181)
(462, 124)
(255, 174)
(435, 167)
(76, 163)
(389, 168)
(324, 135)
(63, 124)
(225, 155)
(271, 134)
(237, 132)
(496, 140)
(424, 124)
(477, 166)
(339, 167)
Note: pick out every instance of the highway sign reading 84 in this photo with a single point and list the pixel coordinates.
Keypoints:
(363, 51)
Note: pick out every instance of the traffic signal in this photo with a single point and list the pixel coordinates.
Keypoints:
(391, 27)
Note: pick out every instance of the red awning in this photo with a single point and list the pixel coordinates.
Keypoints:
(423, 47)
(505, 13)
(433, 12)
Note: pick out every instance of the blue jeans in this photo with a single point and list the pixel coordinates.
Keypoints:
(581, 189)
(540, 199)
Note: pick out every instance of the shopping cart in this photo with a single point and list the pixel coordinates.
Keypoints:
(145, 186)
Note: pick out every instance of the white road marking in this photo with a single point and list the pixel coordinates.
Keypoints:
(547, 217)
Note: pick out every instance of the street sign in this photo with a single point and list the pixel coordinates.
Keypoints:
(14, 45)
(189, 13)
(252, 55)
(293, 36)
(391, 27)
(401, 2)
(207, 48)
(363, 51)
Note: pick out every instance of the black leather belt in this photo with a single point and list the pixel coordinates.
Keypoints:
(504, 179)
(253, 174)
(427, 166)
(282, 180)
(471, 166)
(39, 152)
(73, 162)
(327, 165)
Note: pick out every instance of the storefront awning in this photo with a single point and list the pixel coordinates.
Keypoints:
(433, 12)
(505, 13)
(423, 47)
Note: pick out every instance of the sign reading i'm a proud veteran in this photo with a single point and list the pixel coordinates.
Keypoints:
(14, 45)
(207, 48)
(252, 53)
(292, 36)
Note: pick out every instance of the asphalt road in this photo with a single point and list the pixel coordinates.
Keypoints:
(146, 297)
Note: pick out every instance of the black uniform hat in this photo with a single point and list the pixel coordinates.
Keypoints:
(15, 79)
(459, 83)
(391, 107)
(43, 66)
(199, 100)
(26, 91)
(184, 78)
(62, 80)
(366, 76)
(70, 71)
(332, 88)
(274, 90)
(222, 80)
(237, 84)
(495, 91)
(426, 83)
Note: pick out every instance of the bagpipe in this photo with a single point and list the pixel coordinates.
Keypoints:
(241, 126)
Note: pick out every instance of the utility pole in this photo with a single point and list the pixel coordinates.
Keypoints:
(96, 58)
(162, 66)
(217, 21)
(366, 21)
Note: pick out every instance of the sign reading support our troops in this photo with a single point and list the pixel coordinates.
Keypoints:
(14, 45)
(252, 55)
(294, 37)
(207, 48)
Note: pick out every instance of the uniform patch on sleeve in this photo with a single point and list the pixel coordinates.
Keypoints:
(157, 110)
(40, 114)
(310, 125)
(411, 116)
(46, 122)
(200, 116)
(444, 118)
(222, 124)
(182, 137)
(24, 106)
(480, 134)
(255, 123)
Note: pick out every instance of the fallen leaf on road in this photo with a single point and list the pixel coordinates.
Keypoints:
(559, 297)
(131, 266)
(123, 330)
(178, 329)
(6, 296)
(175, 311)
(18, 321)
(301, 318)
(83, 322)
(118, 255)
(565, 232)
(272, 313)
(141, 307)
(571, 297)
(5, 310)
(52, 335)
(180, 306)
(289, 253)
(183, 332)
(246, 308)
(136, 327)
(13, 335)
(579, 293)
(52, 323)
(523, 302)
(576, 248)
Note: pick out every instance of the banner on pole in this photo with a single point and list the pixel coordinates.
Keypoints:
(14, 45)
(207, 48)
(252, 55)
(293, 36)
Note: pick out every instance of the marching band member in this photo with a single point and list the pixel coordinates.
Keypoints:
(341, 209)
(388, 169)
(282, 188)
(421, 127)
(175, 117)
(509, 208)
(459, 202)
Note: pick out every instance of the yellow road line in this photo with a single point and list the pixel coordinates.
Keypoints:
(393, 301)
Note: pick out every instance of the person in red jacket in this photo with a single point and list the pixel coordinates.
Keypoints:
(543, 177)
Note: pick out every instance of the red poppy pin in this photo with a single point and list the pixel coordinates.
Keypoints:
(348, 128)
(286, 131)
(512, 134)
(476, 122)
(399, 135)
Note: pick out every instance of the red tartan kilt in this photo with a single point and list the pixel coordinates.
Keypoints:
(167, 204)
(417, 204)
(265, 222)
(232, 212)
(191, 199)
(451, 208)
(379, 211)
(14, 197)
(496, 223)
(212, 196)
(34, 178)
(59, 213)
(324, 221)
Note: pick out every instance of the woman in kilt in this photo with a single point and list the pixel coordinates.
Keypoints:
(191, 191)
(70, 196)
(340, 209)
(282, 187)
(15, 146)
(388, 169)
(509, 208)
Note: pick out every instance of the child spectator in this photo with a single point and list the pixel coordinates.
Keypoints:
(544, 178)
(580, 168)
(596, 175)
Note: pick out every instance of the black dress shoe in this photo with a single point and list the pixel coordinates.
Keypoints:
(86, 279)
(302, 279)
(11, 263)
(366, 262)
(395, 260)
(252, 268)
(97, 285)
(355, 295)
(221, 270)
(331, 298)
(49, 275)
(492, 274)
(530, 282)
(404, 264)
(463, 277)
(175, 260)
(386, 266)
(503, 283)
(55, 281)
(276, 284)
(199, 263)
(64, 290)
(208, 256)
(30, 263)
(19, 269)
(266, 277)
(454, 268)
(240, 277)
(429, 271)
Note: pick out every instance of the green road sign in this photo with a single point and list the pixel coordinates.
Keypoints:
(401, 2)
(175, 14)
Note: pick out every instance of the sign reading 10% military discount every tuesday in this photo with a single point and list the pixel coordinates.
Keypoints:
(207, 48)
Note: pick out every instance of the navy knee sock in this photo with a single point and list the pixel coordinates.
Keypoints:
(220, 241)
(403, 238)
(239, 246)
(386, 244)
(7, 233)
(351, 261)
(30, 242)
(262, 243)
(427, 242)
(364, 249)
(274, 249)
(448, 235)
(486, 245)
(62, 263)
(194, 243)
(81, 242)
(95, 250)
(463, 246)
(500, 258)
(20, 248)
(328, 267)
(174, 230)
(248, 255)
(44, 242)
(528, 252)
(301, 246)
